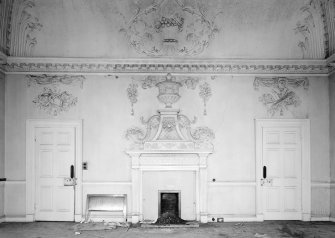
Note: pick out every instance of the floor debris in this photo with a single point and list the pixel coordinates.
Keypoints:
(99, 226)
(267, 229)
(262, 235)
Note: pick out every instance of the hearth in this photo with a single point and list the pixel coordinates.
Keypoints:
(169, 202)
(169, 208)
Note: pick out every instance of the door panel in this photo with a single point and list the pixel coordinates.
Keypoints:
(282, 187)
(55, 153)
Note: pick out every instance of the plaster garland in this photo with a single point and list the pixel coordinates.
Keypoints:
(205, 92)
(132, 94)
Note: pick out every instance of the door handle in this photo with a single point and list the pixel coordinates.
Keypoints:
(72, 180)
(72, 171)
(264, 172)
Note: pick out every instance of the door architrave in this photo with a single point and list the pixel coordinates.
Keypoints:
(31, 124)
(304, 125)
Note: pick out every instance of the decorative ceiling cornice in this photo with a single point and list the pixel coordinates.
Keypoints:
(22, 65)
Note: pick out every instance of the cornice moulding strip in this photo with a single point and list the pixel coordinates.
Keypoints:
(330, 59)
(26, 65)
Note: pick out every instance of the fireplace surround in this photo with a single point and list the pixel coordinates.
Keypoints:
(170, 144)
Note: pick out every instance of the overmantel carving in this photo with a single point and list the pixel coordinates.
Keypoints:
(170, 131)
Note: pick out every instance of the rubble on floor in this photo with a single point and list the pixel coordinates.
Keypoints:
(99, 226)
(169, 218)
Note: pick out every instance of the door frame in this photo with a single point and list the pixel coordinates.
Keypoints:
(304, 125)
(31, 124)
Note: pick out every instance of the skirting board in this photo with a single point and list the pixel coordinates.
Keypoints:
(16, 219)
(235, 219)
(332, 219)
(2, 219)
(320, 218)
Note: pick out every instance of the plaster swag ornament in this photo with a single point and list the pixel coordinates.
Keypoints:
(281, 96)
(55, 101)
(190, 82)
(132, 93)
(45, 79)
(170, 27)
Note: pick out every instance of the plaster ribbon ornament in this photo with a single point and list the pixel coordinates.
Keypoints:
(55, 101)
(132, 93)
(281, 95)
(190, 82)
(45, 79)
(205, 92)
(170, 27)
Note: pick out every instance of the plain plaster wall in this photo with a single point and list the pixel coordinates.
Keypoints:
(105, 110)
(247, 29)
(332, 142)
(2, 142)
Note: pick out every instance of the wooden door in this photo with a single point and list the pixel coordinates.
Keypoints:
(54, 155)
(282, 167)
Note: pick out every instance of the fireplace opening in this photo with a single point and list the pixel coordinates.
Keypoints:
(169, 208)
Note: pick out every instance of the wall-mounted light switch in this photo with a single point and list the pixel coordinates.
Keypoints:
(84, 165)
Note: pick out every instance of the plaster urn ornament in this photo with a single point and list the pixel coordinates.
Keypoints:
(168, 91)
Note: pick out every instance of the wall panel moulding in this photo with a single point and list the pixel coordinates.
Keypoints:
(179, 66)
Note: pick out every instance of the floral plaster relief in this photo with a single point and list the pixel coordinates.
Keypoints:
(280, 95)
(132, 94)
(53, 95)
(170, 27)
(55, 101)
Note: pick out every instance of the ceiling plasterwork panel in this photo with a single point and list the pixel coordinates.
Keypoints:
(171, 27)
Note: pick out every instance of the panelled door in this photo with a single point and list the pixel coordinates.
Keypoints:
(281, 182)
(54, 156)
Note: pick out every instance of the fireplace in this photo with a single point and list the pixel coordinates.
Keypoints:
(169, 202)
(169, 156)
